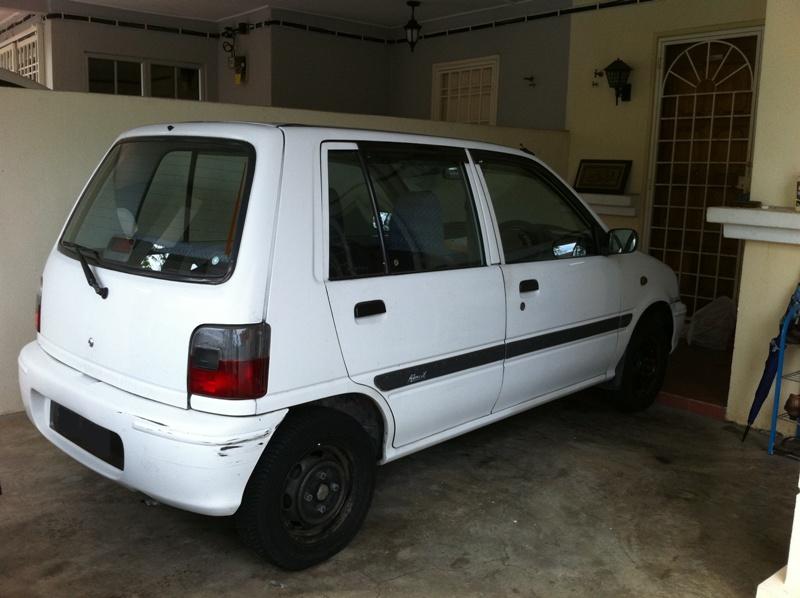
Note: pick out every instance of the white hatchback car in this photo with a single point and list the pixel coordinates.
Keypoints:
(245, 319)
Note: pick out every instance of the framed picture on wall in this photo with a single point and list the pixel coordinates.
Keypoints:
(603, 176)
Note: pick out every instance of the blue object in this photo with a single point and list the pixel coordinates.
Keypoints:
(773, 365)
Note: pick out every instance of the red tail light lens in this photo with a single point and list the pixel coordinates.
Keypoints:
(229, 362)
(38, 313)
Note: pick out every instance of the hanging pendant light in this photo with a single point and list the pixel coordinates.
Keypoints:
(412, 27)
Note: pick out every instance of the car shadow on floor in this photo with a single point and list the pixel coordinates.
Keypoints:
(571, 498)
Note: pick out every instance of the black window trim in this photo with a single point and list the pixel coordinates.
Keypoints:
(538, 169)
(189, 140)
(460, 154)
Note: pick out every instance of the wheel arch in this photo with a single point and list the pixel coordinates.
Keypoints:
(658, 309)
(367, 411)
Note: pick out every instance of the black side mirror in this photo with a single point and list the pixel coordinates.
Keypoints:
(622, 240)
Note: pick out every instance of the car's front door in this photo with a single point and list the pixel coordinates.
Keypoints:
(419, 314)
(562, 295)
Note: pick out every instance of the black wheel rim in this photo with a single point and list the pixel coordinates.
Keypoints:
(647, 367)
(315, 492)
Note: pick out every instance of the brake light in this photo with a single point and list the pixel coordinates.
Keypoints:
(229, 362)
(38, 312)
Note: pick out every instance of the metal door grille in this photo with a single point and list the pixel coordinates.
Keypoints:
(704, 131)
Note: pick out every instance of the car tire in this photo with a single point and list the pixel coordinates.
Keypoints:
(644, 365)
(311, 489)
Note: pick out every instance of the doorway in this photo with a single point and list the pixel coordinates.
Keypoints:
(702, 135)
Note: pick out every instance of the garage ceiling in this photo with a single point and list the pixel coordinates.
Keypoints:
(384, 13)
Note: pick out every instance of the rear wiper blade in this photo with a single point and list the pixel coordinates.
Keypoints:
(80, 250)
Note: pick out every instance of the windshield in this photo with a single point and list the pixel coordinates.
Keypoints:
(165, 207)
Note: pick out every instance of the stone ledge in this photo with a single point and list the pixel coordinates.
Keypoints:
(767, 223)
(611, 205)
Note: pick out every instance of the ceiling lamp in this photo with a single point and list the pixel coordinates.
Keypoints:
(412, 27)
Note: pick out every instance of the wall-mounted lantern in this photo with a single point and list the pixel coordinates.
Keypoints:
(617, 74)
(412, 27)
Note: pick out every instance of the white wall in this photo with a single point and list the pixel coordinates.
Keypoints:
(70, 41)
(55, 139)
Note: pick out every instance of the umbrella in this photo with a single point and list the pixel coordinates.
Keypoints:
(771, 364)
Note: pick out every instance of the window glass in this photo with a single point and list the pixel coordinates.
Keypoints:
(162, 81)
(188, 84)
(173, 207)
(101, 75)
(426, 209)
(535, 219)
(355, 248)
(129, 78)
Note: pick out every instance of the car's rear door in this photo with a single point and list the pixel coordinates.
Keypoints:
(161, 227)
(419, 314)
(562, 295)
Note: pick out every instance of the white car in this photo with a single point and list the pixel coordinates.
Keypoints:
(246, 319)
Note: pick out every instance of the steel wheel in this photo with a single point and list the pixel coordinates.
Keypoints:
(311, 489)
(315, 491)
(645, 364)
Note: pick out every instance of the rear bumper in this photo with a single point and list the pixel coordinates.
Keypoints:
(678, 321)
(195, 461)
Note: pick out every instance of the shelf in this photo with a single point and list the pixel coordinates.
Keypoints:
(768, 223)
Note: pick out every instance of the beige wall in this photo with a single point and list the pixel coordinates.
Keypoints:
(770, 271)
(256, 47)
(539, 48)
(324, 72)
(598, 128)
(55, 139)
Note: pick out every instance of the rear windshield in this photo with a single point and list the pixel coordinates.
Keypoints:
(172, 208)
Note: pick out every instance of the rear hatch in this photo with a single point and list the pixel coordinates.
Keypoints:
(160, 226)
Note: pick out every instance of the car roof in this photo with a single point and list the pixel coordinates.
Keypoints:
(243, 129)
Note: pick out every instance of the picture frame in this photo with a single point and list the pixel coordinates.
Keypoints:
(608, 177)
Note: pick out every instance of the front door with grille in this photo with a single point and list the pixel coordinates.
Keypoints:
(703, 142)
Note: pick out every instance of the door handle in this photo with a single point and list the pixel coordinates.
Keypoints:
(528, 286)
(369, 308)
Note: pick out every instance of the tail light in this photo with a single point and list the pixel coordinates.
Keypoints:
(38, 313)
(229, 362)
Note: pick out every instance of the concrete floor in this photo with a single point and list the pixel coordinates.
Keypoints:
(570, 499)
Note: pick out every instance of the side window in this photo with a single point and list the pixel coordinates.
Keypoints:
(535, 219)
(355, 247)
(426, 209)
